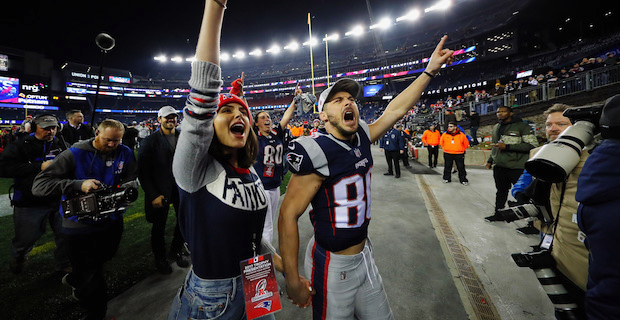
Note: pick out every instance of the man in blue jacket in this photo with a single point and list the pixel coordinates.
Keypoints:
(82, 169)
(394, 145)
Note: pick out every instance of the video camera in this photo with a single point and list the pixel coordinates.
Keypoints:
(555, 160)
(99, 204)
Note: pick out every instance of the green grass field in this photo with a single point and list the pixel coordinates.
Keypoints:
(5, 183)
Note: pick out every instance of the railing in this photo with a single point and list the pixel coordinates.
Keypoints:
(585, 81)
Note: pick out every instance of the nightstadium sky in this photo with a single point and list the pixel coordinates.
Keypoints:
(65, 30)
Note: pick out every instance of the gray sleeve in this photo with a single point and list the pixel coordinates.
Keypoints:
(58, 178)
(191, 156)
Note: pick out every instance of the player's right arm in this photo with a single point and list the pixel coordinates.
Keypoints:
(300, 191)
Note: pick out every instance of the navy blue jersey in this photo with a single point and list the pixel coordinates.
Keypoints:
(269, 163)
(341, 207)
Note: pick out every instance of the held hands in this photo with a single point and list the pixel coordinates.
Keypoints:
(158, 202)
(439, 57)
(90, 185)
(300, 292)
(500, 145)
(402, 151)
(488, 165)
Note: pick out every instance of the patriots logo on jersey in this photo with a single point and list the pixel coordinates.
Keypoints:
(264, 305)
(357, 152)
(294, 160)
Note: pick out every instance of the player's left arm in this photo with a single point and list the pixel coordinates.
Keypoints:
(300, 191)
(409, 97)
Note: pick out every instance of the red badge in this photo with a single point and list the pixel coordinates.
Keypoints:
(260, 288)
(269, 170)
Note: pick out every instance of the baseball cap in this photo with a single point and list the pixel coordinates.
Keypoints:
(345, 84)
(46, 121)
(166, 111)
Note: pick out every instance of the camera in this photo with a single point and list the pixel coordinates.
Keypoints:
(525, 211)
(100, 204)
(543, 265)
(555, 160)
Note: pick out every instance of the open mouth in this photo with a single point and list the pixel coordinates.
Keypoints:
(349, 115)
(238, 128)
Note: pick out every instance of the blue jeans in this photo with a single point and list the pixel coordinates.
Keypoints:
(203, 299)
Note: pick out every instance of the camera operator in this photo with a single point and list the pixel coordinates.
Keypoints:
(84, 168)
(22, 160)
(597, 193)
(568, 249)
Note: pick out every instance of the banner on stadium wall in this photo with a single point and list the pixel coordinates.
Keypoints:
(9, 89)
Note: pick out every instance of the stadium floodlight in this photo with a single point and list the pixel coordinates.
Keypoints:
(161, 58)
(239, 55)
(190, 59)
(411, 16)
(332, 37)
(356, 31)
(383, 24)
(312, 42)
(256, 52)
(441, 5)
(177, 59)
(224, 56)
(275, 49)
(293, 45)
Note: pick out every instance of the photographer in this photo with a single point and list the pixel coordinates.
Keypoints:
(22, 160)
(597, 193)
(84, 168)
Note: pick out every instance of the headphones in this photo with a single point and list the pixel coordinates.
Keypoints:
(35, 120)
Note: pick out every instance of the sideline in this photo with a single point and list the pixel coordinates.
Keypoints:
(475, 299)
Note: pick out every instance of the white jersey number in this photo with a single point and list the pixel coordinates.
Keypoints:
(352, 199)
(273, 155)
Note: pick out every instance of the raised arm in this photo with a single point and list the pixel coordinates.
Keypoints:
(300, 191)
(191, 157)
(409, 97)
(288, 114)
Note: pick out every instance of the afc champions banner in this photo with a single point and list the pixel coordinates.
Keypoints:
(9, 90)
(260, 288)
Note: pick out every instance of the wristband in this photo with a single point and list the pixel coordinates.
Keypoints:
(426, 73)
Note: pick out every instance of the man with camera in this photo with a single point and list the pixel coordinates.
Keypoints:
(22, 160)
(101, 162)
(512, 140)
(597, 193)
(155, 172)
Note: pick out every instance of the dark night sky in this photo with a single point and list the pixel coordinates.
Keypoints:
(65, 30)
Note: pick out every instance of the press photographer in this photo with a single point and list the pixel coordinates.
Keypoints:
(561, 260)
(93, 239)
(597, 192)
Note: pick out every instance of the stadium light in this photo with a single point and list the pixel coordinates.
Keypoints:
(239, 55)
(441, 5)
(161, 58)
(332, 37)
(275, 49)
(190, 59)
(293, 45)
(312, 42)
(383, 24)
(411, 16)
(224, 56)
(177, 59)
(356, 31)
(256, 52)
